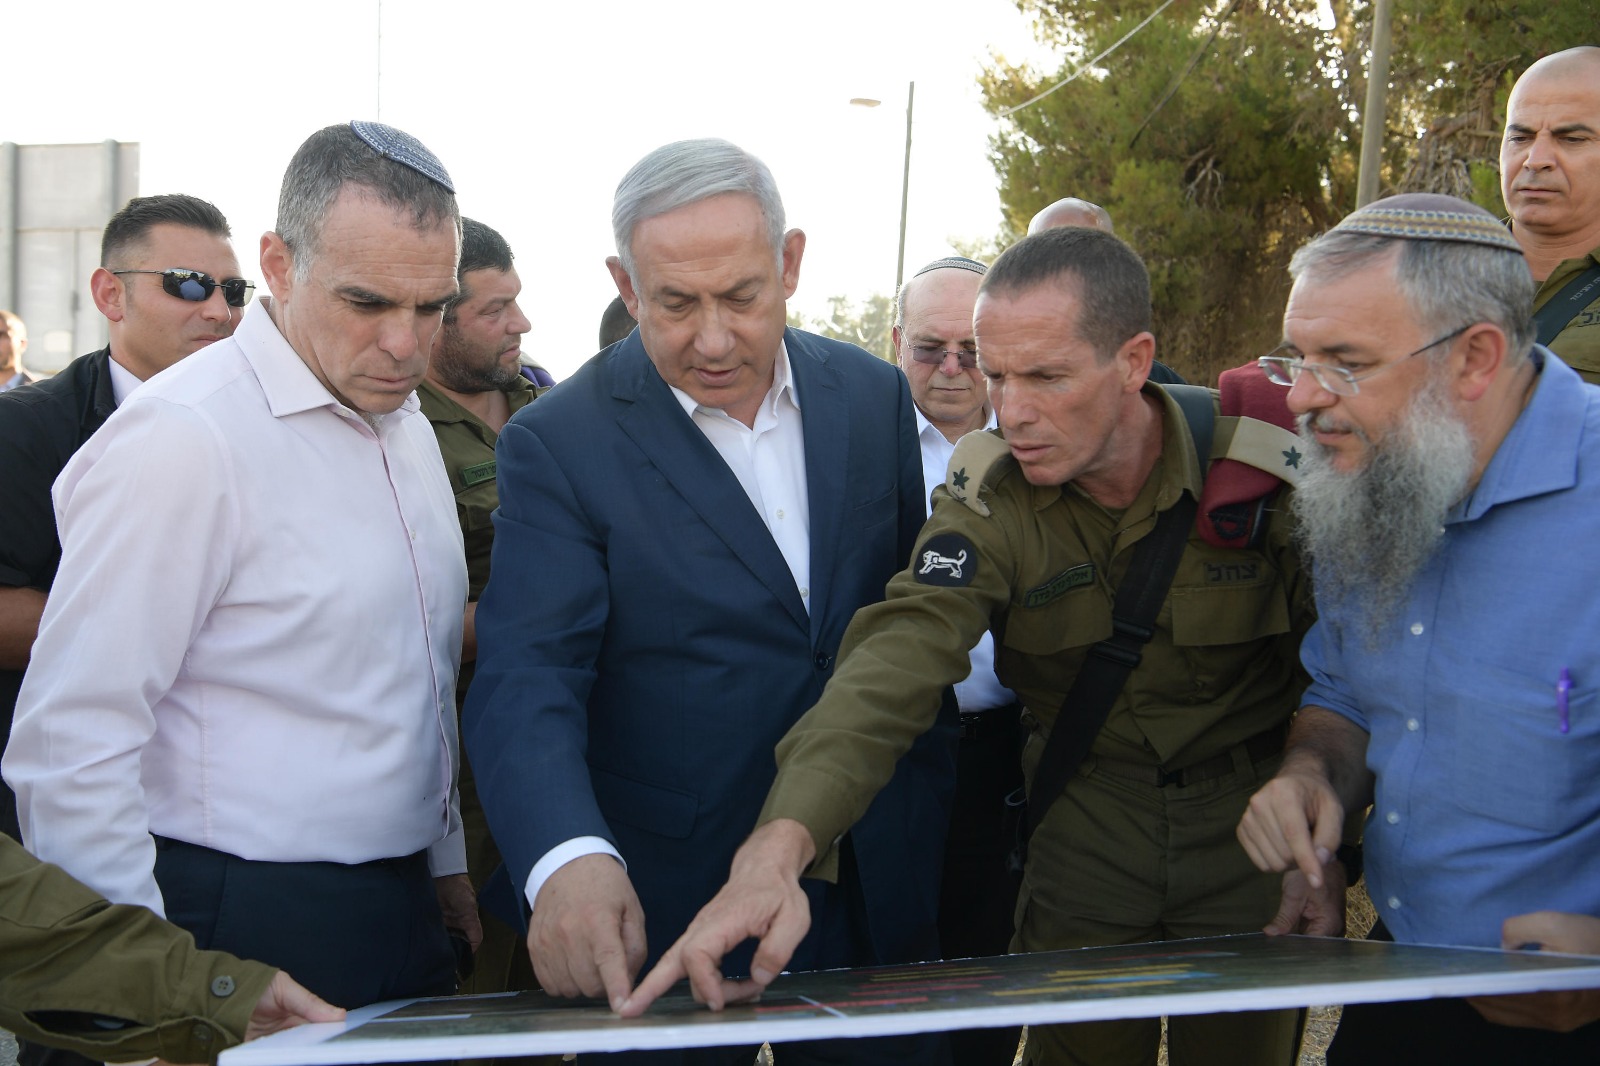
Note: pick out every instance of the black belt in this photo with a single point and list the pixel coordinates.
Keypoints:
(979, 725)
(1263, 745)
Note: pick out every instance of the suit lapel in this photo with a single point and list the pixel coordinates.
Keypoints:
(656, 423)
(824, 411)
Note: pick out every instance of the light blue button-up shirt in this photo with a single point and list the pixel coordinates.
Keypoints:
(1485, 807)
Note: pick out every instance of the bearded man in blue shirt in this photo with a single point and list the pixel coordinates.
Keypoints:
(1455, 666)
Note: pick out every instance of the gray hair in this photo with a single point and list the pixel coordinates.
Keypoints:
(334, 157)
(686, 172)
(1447, 283)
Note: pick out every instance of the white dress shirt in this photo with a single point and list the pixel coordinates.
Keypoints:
(769, 459)
(252, 640)
(981, 691)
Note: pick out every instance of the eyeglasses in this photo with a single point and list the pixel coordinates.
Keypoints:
(1286, 370)
(935, 356)
(197, 287)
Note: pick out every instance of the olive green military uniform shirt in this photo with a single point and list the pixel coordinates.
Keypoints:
(1578, 344)
(68, 957)
(1041, 570)
(467, 444)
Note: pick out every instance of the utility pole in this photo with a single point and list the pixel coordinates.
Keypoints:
(1372, 114)
(905, 190)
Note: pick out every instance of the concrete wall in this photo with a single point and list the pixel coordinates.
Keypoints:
(55, 200)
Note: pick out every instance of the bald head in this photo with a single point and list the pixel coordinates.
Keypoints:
(1071, 211)
(934, 347)
(1550, 158)
(1580, 62)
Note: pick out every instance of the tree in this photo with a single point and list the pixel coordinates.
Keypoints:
(1223, 135)
(1460, 60)
(868, 325)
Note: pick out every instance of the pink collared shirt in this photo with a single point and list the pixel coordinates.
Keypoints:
(252, 641)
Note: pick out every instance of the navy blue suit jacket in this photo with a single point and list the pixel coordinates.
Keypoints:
(642, 645)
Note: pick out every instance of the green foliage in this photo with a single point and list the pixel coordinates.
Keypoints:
(1223, 135)
(869, 325)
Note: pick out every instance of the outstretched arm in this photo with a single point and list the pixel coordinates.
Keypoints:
(117, 982)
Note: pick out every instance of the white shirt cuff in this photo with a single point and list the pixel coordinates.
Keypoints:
(563, 853)
(449, 855)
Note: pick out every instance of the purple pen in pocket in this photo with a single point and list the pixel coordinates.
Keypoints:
(1563, 687)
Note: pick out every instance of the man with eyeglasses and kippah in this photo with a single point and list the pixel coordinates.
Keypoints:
(157, 284)
(240, 711)
(1449, 503)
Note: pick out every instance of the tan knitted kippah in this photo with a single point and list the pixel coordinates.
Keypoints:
(1425, 216)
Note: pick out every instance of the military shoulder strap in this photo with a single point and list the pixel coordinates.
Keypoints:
(1564, 306)
(1106, 668)
(974, 463)
(1199, 407)
(1140, 595)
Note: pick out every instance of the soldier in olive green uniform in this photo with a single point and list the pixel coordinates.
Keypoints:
(1578, 343)
(472, 387)
(1030, 536)
(1120, 856)
(117, 983)
(1550, 181)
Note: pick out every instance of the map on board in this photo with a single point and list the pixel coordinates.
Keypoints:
(1248, 972)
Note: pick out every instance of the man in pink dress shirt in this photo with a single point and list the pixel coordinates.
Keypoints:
(240, 708)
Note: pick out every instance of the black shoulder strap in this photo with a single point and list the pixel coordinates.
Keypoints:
(1199, 407)
(1564, 306)
(1133, 617)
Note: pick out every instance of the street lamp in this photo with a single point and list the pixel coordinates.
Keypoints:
(905, 178)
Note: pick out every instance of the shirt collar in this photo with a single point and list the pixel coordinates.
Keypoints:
(923, 425)
(123, 380)
(1179, 462)
(1540, 452)
(287, 382)
(439, 407)
(782, 387)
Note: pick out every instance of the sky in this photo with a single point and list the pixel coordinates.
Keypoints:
(537, 109)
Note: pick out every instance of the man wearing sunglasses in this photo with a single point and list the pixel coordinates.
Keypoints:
(241, 708)
(158, 258)
(1450, 498)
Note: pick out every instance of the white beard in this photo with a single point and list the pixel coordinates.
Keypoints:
(1368, 532)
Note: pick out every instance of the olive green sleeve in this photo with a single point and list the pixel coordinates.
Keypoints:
(896, 659)
(115, 983)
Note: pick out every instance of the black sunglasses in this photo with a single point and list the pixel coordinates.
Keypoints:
(197, 287)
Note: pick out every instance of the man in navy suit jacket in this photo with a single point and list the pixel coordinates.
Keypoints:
(686, 526)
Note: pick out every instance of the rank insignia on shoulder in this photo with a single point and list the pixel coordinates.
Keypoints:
(947, 559)
(972, 463)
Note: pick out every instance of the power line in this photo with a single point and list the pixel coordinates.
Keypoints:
(1007, 112)
(1187, 70)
